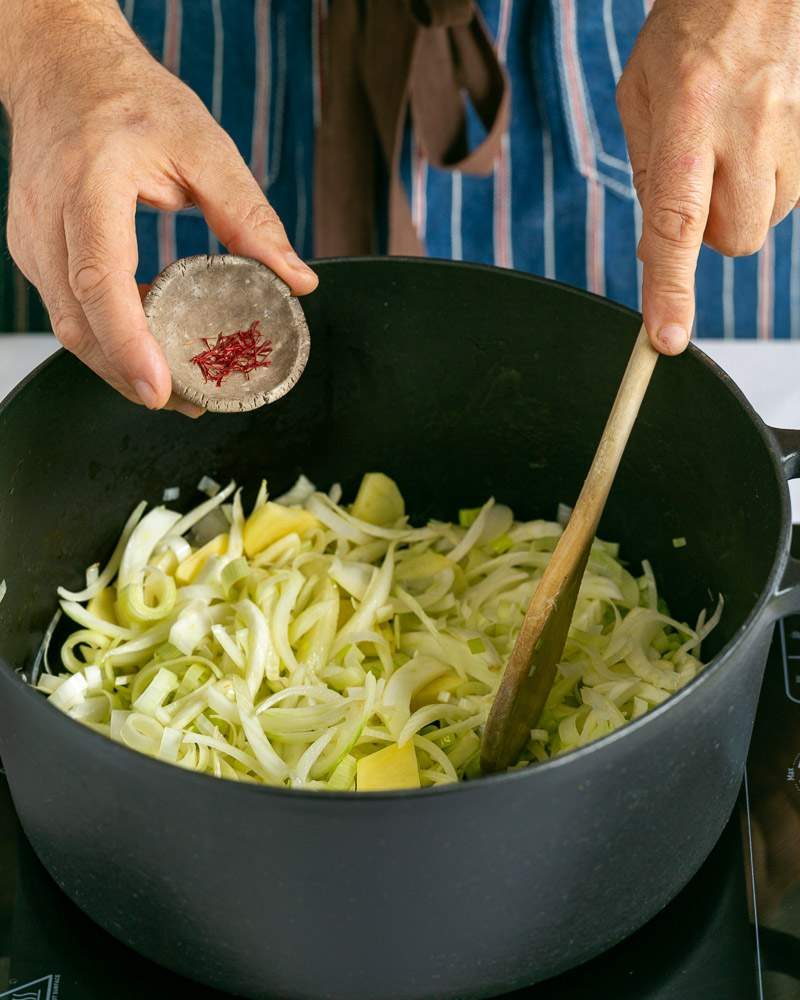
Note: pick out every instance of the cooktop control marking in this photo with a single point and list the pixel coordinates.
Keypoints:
(44, 988)
(790, 653)
(793, 772)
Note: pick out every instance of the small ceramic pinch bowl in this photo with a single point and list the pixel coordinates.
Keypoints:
(197, 299)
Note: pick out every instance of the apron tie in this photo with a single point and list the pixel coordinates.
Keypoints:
(383, 62)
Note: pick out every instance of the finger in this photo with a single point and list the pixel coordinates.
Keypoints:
(243, 220)
(74, 334)
(675, 213)
(634, 112)
(19, 250)
(66, 316)
(102, 258)
(787, 193)
(742, 201)
(73, 331)
(175, 402)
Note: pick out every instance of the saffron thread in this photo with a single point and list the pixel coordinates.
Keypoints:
(240, 353)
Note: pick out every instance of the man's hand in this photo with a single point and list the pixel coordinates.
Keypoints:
(97, 125)
(710, 103)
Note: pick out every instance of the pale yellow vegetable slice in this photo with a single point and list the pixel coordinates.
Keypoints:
(378, 501)
(271, 522)
(191, 566)
(393, 767)
(429, 694)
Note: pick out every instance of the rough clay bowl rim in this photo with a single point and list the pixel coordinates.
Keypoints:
(127, 758)
(246, 400)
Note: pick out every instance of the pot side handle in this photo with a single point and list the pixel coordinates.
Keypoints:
(786, 600)
(788, 442)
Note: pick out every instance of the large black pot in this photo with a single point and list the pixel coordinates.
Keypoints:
(459, 381)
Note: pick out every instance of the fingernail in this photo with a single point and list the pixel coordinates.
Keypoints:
(673, 338)
(146, 393)
(294, 262)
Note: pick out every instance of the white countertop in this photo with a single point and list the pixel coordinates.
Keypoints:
(768, 374)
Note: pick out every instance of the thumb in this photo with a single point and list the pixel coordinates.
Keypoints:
(243, 220)
(675, 212)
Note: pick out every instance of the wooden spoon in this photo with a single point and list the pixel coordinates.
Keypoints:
(532, 666)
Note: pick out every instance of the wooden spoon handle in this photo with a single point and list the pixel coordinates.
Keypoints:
(532, 666)
(597, 485)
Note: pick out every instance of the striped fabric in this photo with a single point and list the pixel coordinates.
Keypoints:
(567, 209)
(560, 201)
(254, 64)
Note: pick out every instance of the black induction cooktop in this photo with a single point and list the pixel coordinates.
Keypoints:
(732, 934)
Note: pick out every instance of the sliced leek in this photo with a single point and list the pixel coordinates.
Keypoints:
(309, 647)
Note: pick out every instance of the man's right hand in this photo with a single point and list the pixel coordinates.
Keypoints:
(97, 125)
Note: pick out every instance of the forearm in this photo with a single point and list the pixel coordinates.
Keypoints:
(41, 42)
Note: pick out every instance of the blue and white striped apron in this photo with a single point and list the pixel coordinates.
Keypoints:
(560, 201)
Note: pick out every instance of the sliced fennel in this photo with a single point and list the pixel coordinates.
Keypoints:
(307, 647)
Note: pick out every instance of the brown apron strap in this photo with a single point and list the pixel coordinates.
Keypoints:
(344, 155)
(441, 13)
(386, 60)
(447, 63)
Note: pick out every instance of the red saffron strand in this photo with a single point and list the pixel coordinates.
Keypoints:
(240, 352)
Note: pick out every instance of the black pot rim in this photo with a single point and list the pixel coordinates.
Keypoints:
(131, 758)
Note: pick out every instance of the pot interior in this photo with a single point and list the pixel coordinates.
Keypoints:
(460, 382)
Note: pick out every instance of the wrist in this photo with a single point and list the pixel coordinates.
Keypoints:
(44, 44)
